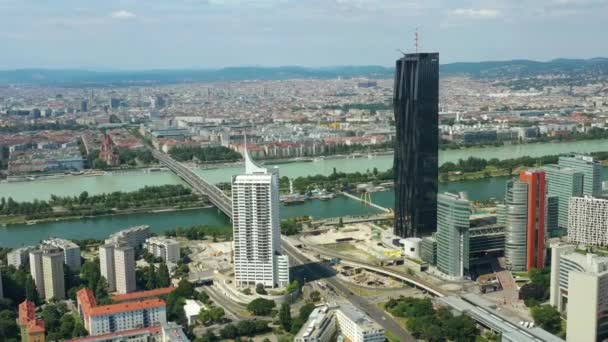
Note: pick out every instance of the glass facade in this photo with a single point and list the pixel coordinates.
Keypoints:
(416, 105)
(453, 212)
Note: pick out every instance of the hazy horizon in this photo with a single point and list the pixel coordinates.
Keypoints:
(124, 35)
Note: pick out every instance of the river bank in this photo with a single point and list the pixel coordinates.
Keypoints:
(13, 220)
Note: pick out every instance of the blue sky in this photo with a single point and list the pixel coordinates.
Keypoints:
(142, 34)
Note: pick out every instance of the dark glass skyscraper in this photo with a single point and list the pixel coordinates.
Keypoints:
(416, 102)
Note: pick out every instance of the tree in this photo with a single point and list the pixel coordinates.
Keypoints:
(151, 277)
(259, 289)
(79, 329)
(314, 296)
(83, 197)
(261, 306)
(213, 315)
(163, 277)
(185, 289)
(67, 325)
(209, 336)
(8, 326)
(533, 292)
(229, 332)
(461, 328)
(547, 317)
(285, 316)
(541, 277)
(31, 293)
(293, 286)
(305, 311)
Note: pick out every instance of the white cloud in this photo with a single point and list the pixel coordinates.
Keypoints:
(123, 15)
(475, 13)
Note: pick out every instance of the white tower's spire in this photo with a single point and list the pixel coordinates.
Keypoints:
(250, 166)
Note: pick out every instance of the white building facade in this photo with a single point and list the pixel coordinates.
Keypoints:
(256, 227)
(124, 266)
(19, 257)
(106, 265)
(165, 248)
(106, 319)
(71, 251)
(579, 290)
(54, 279)
(132, 237)
(46, 269)
(325, 321)
(588, 221)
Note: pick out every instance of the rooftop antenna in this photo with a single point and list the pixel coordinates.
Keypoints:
(416, 39)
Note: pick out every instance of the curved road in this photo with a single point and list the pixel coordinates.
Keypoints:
(383, 318)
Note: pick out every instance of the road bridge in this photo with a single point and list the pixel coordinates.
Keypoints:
(216, 196)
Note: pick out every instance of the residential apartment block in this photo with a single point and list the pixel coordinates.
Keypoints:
(113, 318)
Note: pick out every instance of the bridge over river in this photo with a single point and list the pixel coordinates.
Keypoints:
(216, 196)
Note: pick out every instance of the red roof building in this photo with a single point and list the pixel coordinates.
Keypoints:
(113, 318)
(32, 329)
(143, 294)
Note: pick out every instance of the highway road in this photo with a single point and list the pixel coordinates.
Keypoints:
(233, 309)
(385, 320)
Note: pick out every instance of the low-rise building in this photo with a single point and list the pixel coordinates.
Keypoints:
(170, 332)
(350, 322)
(141, 295)
(192, 308)
(320, 326)
(150, 334)
(165, 248)
(107, 319)
(32, 329)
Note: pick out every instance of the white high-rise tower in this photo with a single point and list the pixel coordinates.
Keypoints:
(256, 226)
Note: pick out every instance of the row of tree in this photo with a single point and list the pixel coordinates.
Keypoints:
(201, 232)
(424, 322)
(205, 154)
(337, 180)
(85, 204)
(150, 277)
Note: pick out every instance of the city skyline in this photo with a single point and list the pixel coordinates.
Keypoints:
(134, 35)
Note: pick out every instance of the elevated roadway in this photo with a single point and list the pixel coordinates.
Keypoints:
(216, 196)
(381, 317)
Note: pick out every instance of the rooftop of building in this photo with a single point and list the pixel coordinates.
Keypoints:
(89, 306)
(173, 332)
(155, 330)
(316, 318)
(359, 317)
(58, 242)
(27, 312)
(27, 318)
(193, 307)
(130, 230)
(142, 294)
(590, 262)
(162, 240)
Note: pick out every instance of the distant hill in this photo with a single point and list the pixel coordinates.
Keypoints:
(529, 68)
(477, 69)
